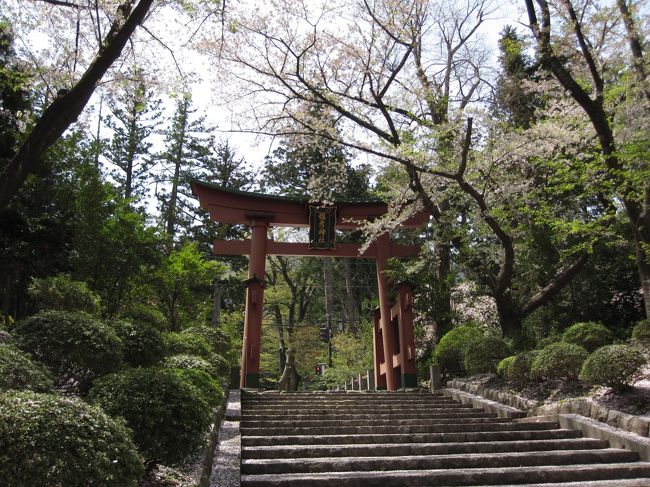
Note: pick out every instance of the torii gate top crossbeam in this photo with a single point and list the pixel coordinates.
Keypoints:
(240, 207)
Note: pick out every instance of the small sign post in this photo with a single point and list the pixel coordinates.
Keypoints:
(321, 227)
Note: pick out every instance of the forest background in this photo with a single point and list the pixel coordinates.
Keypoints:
(531, 158)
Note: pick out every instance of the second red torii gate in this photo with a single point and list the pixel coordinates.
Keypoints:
(394, 348)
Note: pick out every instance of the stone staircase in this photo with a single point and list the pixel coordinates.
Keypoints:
(412, 439)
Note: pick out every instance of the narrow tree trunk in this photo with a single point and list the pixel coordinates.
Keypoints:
(328, 279)
(350, 299)
(216, 304)
(443, 298)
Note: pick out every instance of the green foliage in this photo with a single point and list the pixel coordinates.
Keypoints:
(641, 332)
(64, 294)
(520, 368)
(204, 384)
(221, 365)
(143, 344)
(482, 354)
(559, 361)
(49, 441)
(218, 340)
(143, 314)
(168, 415)
(450, 349)
(75, 347)
(546, 341)
(178, 279)
(589, 335)
(352, 356)
(19, 371)
(186, 344)
(615, 366)
(191, 362)
(503, 367)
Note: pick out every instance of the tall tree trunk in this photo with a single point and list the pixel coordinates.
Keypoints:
(443, 298)
(64, 110)
(350, 298)
(282, 345)
(178, 161)
(328, 279)
(216, 303)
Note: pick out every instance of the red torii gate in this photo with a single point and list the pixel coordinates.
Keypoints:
(394, 348)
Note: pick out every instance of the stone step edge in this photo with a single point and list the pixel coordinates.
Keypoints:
(353, 478)
(591, 428)
(480, 402)
(582, 406)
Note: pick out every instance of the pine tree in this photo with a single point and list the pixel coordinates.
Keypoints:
(134, 117)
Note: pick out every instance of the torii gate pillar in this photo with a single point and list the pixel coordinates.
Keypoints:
(250, 359)
(387, 331)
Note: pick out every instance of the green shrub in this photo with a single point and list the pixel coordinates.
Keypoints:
(5, 336)
(615, 366)
(217, 339)
(205, 385)
(520, 369)
(482, 354)
(186, 344)
(146, 315)
(167, 414)
(75, 347)
(559, 360)
(19, 371)
(503, 367)
(546, 341)
(588, 335)
(63, 294)
(641, 333)
(143, 344)
(50, 440)
(191, 362)
(221, 364)
(449, 351)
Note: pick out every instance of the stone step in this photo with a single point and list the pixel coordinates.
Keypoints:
(465, 476)
(431, 462)
(341, 423)
(477, 424)
(346, 400)
(319, 408)
(397, 438)
(592, 483)
(397, 396)
(369, 450)
(329, 416)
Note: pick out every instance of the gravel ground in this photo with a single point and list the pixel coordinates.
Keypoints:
(227, 455)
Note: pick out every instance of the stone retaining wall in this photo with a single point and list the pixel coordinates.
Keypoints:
(582, 406)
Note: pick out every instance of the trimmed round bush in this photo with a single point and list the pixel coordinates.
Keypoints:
(450, 349)
(50, 440)
(19, 371)
(641, 333)
(75, 347)
(5, 336)
(64, 294)
(589, 335)
(559, 361)
(186, 344)
(168, 415)
(503, 367)
(217, 339)
(520, 369)
(546, 341)
(615, 366)
(146, 315)
(143, 344)
(221, 364)
(482, 354)
(191, 362)
(205, 385)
